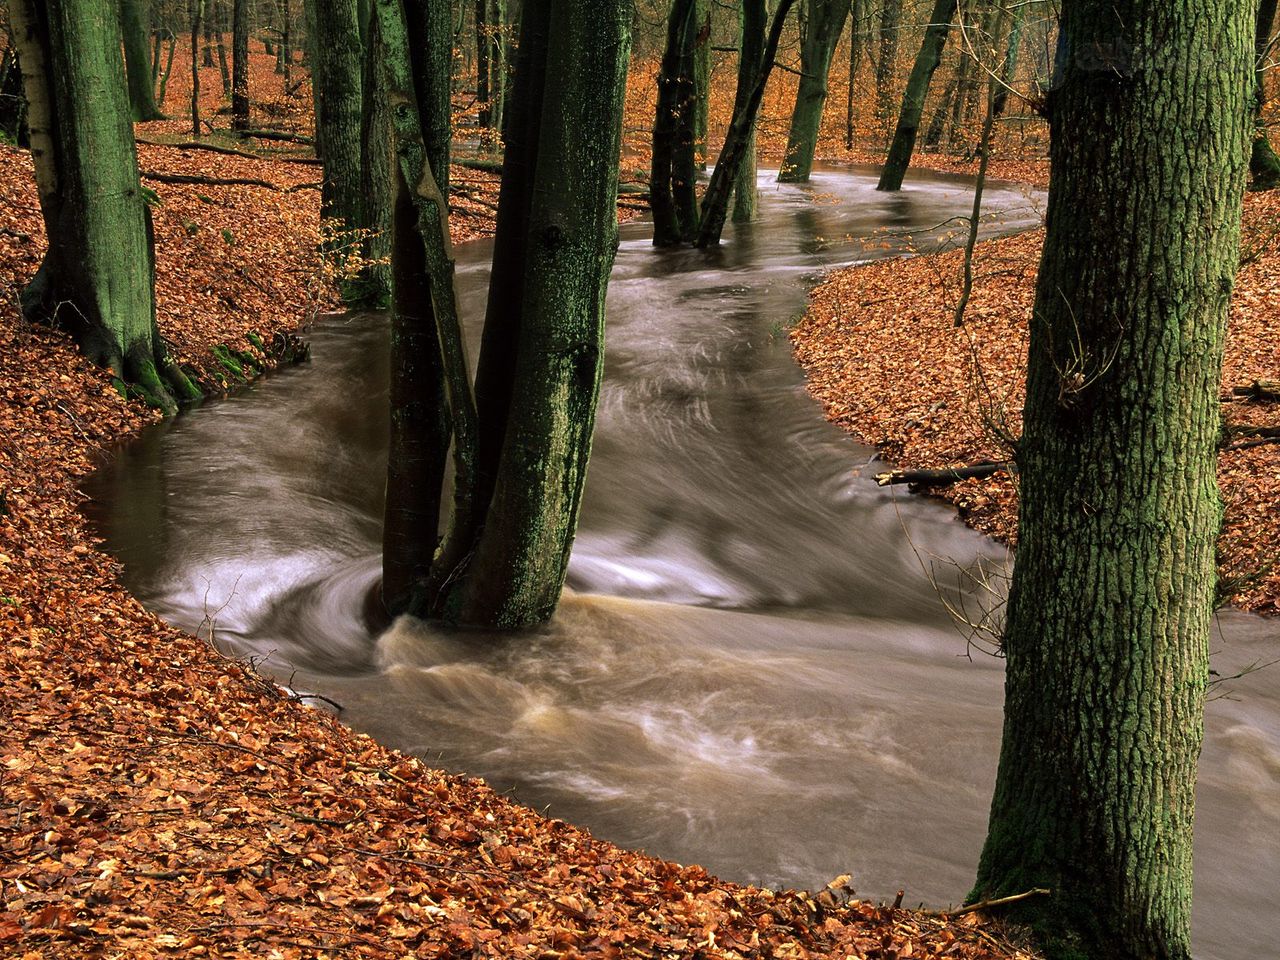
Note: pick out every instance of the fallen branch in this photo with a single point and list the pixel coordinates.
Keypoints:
(283, 135)
(208, 181)
(943, 477)
(198, 145)
(989, 904)
(1267, 391)
(475, 163)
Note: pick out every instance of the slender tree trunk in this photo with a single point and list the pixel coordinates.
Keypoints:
(904, 138)
(1264, 165)
(210, 16)
(1110, 609)
(715, 202)
(484, 44)
(825, 24)
(701, 81)
(1011, 49)
(890, 20)
(133, 27)
(168, 69)
(856, 17)
(753, 22)
(336, 72)
(938, 124)
(240, 65)
(197, 21)
(98, 275)
(221, 7)
(672, 177)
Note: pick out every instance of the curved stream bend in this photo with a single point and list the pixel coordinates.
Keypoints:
(751, 670)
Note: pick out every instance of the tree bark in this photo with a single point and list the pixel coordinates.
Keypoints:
(336, 72)
(1264, 165)
(673, 169)
(753, 22)
(133, 27)
(517, 572)
(1111, 602)
(856, 16)
(98, 275)
(825, 24)
(197, 21)
(927, 60)
(715, 202)
(240, 65)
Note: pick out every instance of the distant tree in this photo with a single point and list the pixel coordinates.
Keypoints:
(887, 61)
(927, 60)
(753, 22)
(1109, 614)
(197, 21)
(336, 72)
(1264, 165)
(133, 27)
(857, 16)
(824, 24)
(522, 438)
(673, 172)
(239, 64)
(98, 275)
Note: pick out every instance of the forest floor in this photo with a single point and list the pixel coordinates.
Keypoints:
(881, 353)
(157, 799)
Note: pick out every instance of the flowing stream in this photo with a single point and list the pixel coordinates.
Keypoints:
(751, 669)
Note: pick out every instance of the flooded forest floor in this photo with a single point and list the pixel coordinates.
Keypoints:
(158, 799)
(883, 355)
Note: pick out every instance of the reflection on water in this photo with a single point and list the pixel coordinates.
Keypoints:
(750, 671)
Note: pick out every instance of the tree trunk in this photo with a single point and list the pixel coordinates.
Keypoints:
(221, 7)
(673, 169)
(825, 24)
(904, 138)
(240, 65)
(336, 73)
(1112, 595)
(890, 19)
(376, 163)
(753, 22)
(1264, 165)
(715, 202)
(517, 572)
(197, 20)
(210, 15)
(142, 101)
(414, 44)
(856, 17)
(701, 81)
(484, 44)
(98, 275)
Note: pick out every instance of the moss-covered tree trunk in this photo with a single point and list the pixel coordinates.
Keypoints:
(927, 60)
(753, 22)
(337, 75)
(824, 24)
(673, 168)
(98, 275)
(516, 573)
(1110, 610)
(1264, 165)
(240, 64)
(133, 27)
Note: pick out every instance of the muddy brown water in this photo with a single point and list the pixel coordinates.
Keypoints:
(751, 670)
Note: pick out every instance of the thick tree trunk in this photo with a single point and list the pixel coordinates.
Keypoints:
(98, 276)
(753, 22)
(825, 24)
(240, 65)
(133, 27)
(927, 60)
(336, 73)
(376, 162)
(1264, 165)
(741, 136)
(1112, 596)
(517, 572)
